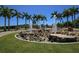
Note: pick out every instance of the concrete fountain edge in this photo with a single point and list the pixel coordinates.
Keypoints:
(43, 42)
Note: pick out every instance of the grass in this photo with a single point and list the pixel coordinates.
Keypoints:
(10, 44)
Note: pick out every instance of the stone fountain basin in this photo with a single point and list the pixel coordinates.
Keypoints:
(62, 38)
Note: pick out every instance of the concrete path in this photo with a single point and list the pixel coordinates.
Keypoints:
(8, 32)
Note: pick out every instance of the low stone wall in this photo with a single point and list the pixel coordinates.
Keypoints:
(62, 38)
(33, 36)
(46, 42)
(46, 37)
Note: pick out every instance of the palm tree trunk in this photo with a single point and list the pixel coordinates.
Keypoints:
(25, 23)
(62, 20)
(40, 25)
(17, 23)
(4, 23)
(67, 21)
(29, 23)
(45, 25)
(37, 24)
(72, 18)
(8, 24)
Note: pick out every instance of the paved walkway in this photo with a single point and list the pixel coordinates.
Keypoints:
(8, 32)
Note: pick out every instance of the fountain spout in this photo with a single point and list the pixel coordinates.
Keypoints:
(54, 28)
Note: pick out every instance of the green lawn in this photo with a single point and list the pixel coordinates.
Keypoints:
(9, 43)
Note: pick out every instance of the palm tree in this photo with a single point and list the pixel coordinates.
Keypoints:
(6, 13)
(3, 13)
(27, 17)
(18, 15)
(34, 21)
(75, 11)
(0, 11)
(10, 13)
(54, 14)
(36, 18)
(39, 18)
(71, 13)
(44, 19)
(66, 13)
(59, 17)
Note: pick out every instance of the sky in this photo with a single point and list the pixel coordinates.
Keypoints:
(35, 9)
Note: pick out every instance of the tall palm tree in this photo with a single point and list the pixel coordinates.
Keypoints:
(66, 13)
(26, 16)
(44, 19)
(34, 21)
(0, 8)
(3, 13)
(6, 13)
(54, 14)
(38, 18)
(71, 13)
(10, 13)
(59, 17)
(17, 15)
(75, 11)
(0, 11)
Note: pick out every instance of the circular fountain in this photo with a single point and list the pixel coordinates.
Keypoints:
(41, 35)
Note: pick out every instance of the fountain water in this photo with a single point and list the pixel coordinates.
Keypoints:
(30, 26)
(54, 28)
